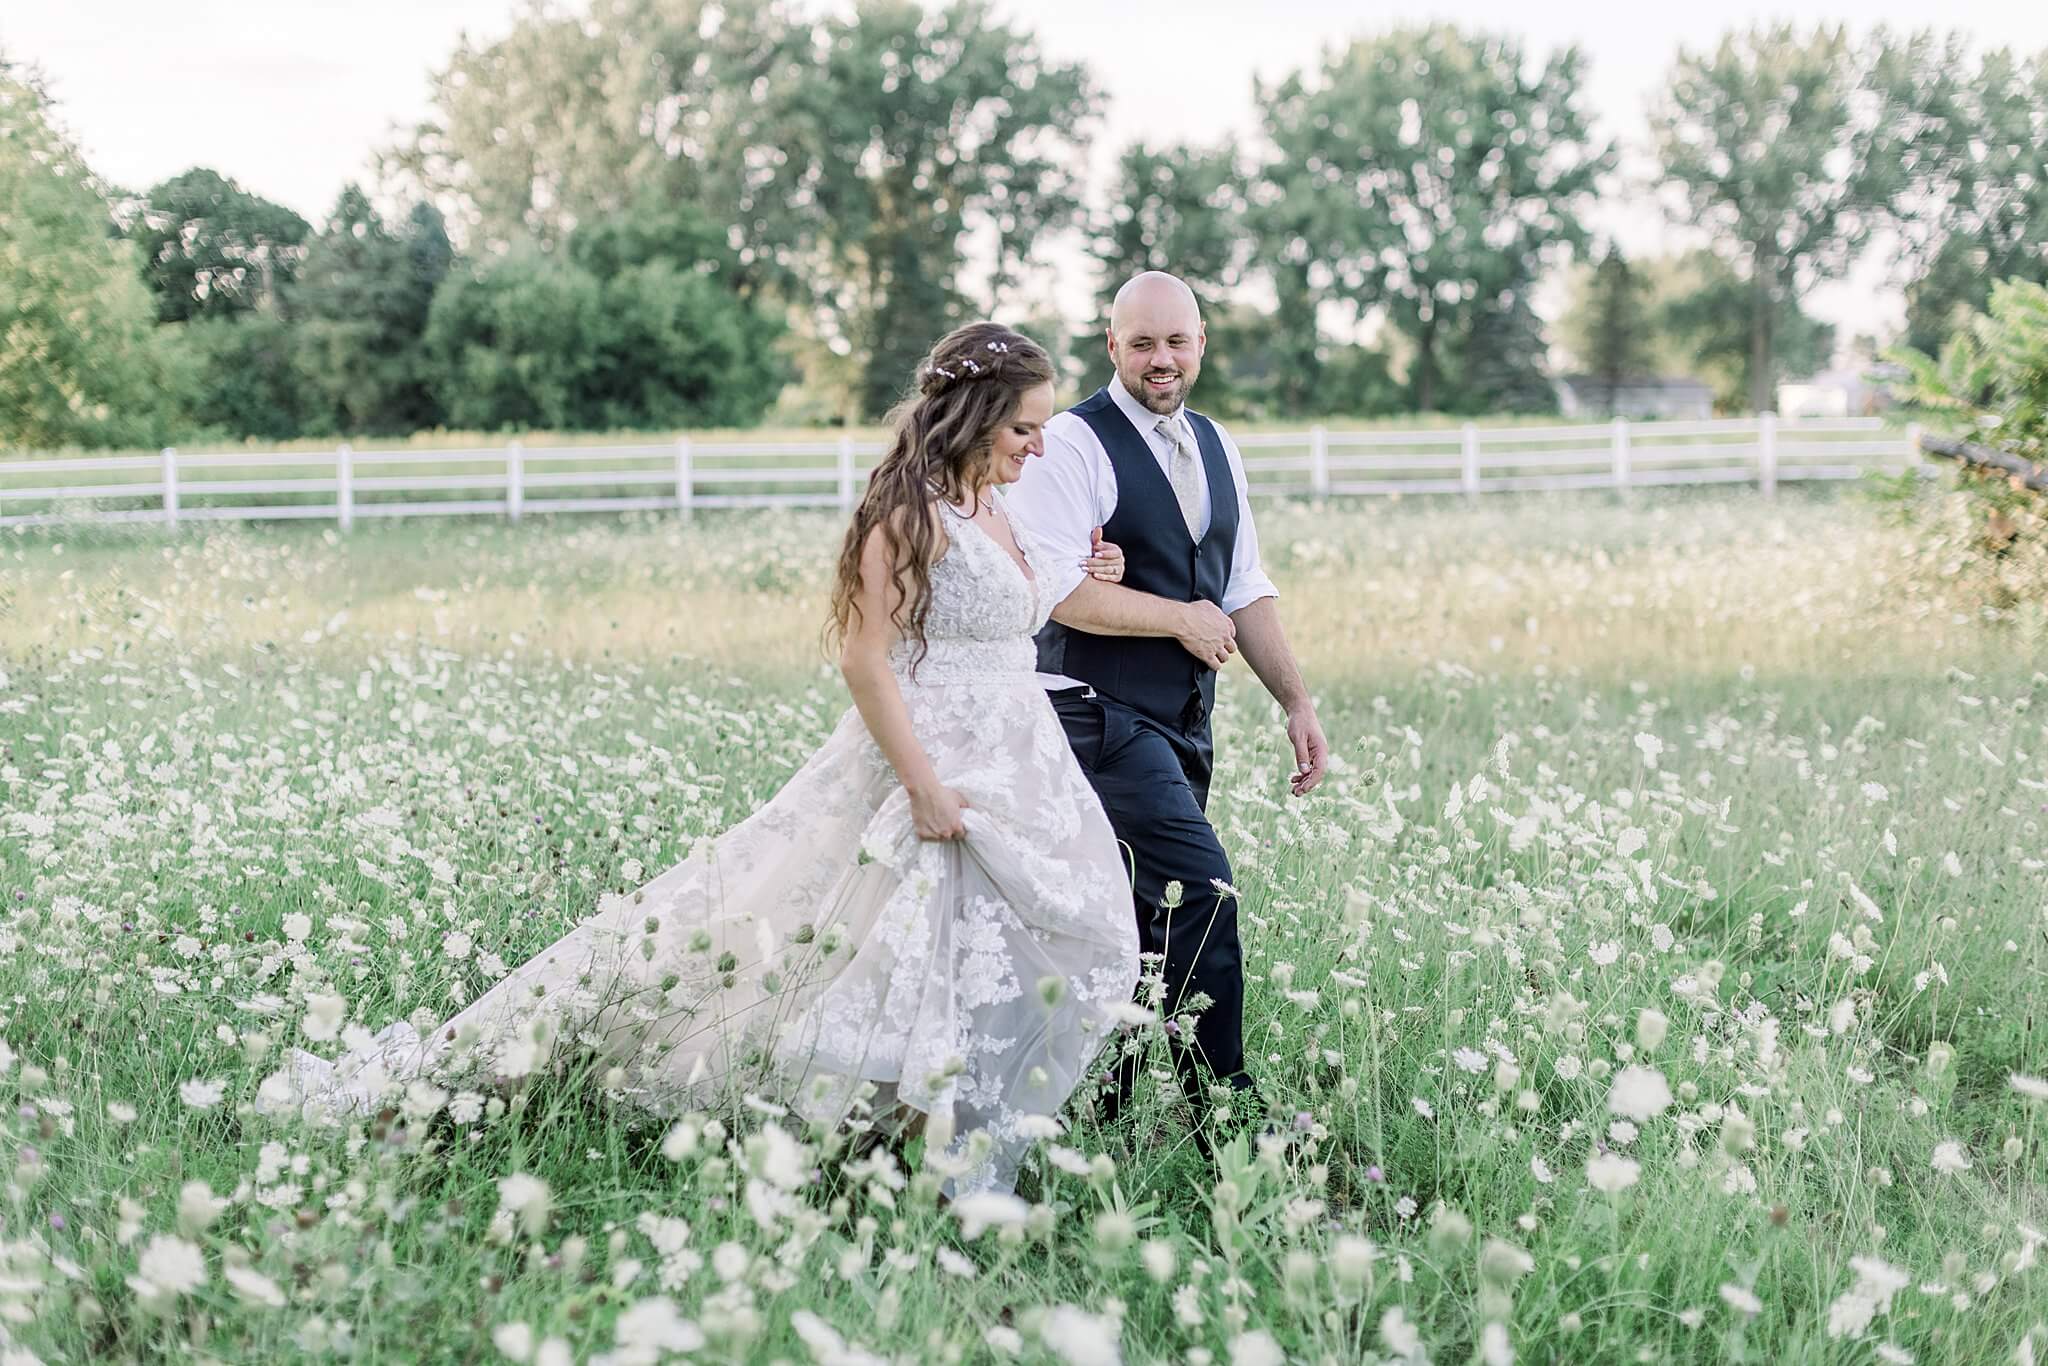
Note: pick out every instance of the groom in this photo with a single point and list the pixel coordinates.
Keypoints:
(1131, 667)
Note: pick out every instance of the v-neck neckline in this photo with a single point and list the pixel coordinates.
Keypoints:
(1018, 561)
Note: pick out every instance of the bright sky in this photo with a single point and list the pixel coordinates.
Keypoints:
(291, 98)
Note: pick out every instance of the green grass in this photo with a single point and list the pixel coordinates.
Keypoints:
(1830, 881)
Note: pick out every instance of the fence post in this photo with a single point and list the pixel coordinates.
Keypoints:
(1767, 454)
(1469, 480)
(686, 497)
(1319, 461)
(170, 485)
(1621, 454)
(515, 480)
(1914, 456)
(846, 473)
(344, 485)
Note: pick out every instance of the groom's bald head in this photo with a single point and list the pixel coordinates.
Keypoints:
(1154, 296)
(1156, 339)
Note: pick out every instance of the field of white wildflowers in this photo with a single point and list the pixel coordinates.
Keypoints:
(1662, 974)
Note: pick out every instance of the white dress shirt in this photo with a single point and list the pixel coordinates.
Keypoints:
(1071, 489)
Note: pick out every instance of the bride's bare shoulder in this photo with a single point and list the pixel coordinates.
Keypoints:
(893, 542)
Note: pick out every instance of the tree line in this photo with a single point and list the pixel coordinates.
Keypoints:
(670, 213)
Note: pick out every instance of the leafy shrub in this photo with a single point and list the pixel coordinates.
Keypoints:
(1989, 386)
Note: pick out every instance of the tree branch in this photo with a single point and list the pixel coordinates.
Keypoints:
(2032, 475)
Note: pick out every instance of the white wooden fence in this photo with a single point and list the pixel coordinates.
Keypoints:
(681, 475)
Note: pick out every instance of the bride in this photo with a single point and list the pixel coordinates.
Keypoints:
(929, 920)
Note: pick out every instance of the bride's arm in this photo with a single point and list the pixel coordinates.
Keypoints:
(864, 662)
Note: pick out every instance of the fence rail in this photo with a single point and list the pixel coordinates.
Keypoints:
(344, 484)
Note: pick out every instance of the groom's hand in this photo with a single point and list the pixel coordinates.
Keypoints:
(1311, 750)
(1207, 633)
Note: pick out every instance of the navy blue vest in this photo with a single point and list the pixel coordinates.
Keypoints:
(1152, 674)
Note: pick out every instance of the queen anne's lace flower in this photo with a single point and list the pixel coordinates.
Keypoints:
(169, 1267)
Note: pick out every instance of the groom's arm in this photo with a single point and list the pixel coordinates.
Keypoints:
(1264, 642)
(1254, 605)
(1109, 609)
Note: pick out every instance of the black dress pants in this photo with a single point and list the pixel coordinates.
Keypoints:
(1153, 781)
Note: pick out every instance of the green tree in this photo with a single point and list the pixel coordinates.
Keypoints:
(1610, 326)
(1426, 177)
(569, 117)
(636, 325)
(853, 158)
(1972, 201)
(509, 344)
(210, 249)
(241, 377)
(1703, 311)
(1785, 153)
(1356, 381)
(360, 305)
(1178, 209)
(919, 129)
(78, 364)
(1496, 363)
(1182, 209)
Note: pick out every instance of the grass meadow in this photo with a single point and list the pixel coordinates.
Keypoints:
(1661, 975)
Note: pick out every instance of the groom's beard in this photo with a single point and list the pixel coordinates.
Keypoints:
(1162, 401)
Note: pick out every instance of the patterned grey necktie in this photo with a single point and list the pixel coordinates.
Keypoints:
(1184, 472)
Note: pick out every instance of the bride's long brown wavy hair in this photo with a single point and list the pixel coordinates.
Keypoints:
(941, 433)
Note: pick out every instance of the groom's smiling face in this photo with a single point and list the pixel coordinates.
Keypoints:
(1156, 340)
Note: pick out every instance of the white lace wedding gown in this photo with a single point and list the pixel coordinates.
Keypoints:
(820, 945)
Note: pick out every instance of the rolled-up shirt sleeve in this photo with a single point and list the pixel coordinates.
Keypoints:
(1248, 582)
(1057, 502)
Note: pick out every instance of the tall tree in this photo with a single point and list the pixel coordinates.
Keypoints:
(1182, 209)
(210, 249)
(1426, 176)
(1785, 153)
(360, 305)
(919, 130)
(1702, 309)
(1609, 327)
(1497, 362)
(570, 116)
(77, 361)
(1179, 209)
(857, 157)
(1971, 203)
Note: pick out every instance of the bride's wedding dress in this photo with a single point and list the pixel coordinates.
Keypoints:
(819, 954)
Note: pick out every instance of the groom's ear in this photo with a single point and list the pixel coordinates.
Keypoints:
(1109, 341)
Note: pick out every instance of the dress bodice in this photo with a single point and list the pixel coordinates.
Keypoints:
(984, 609)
